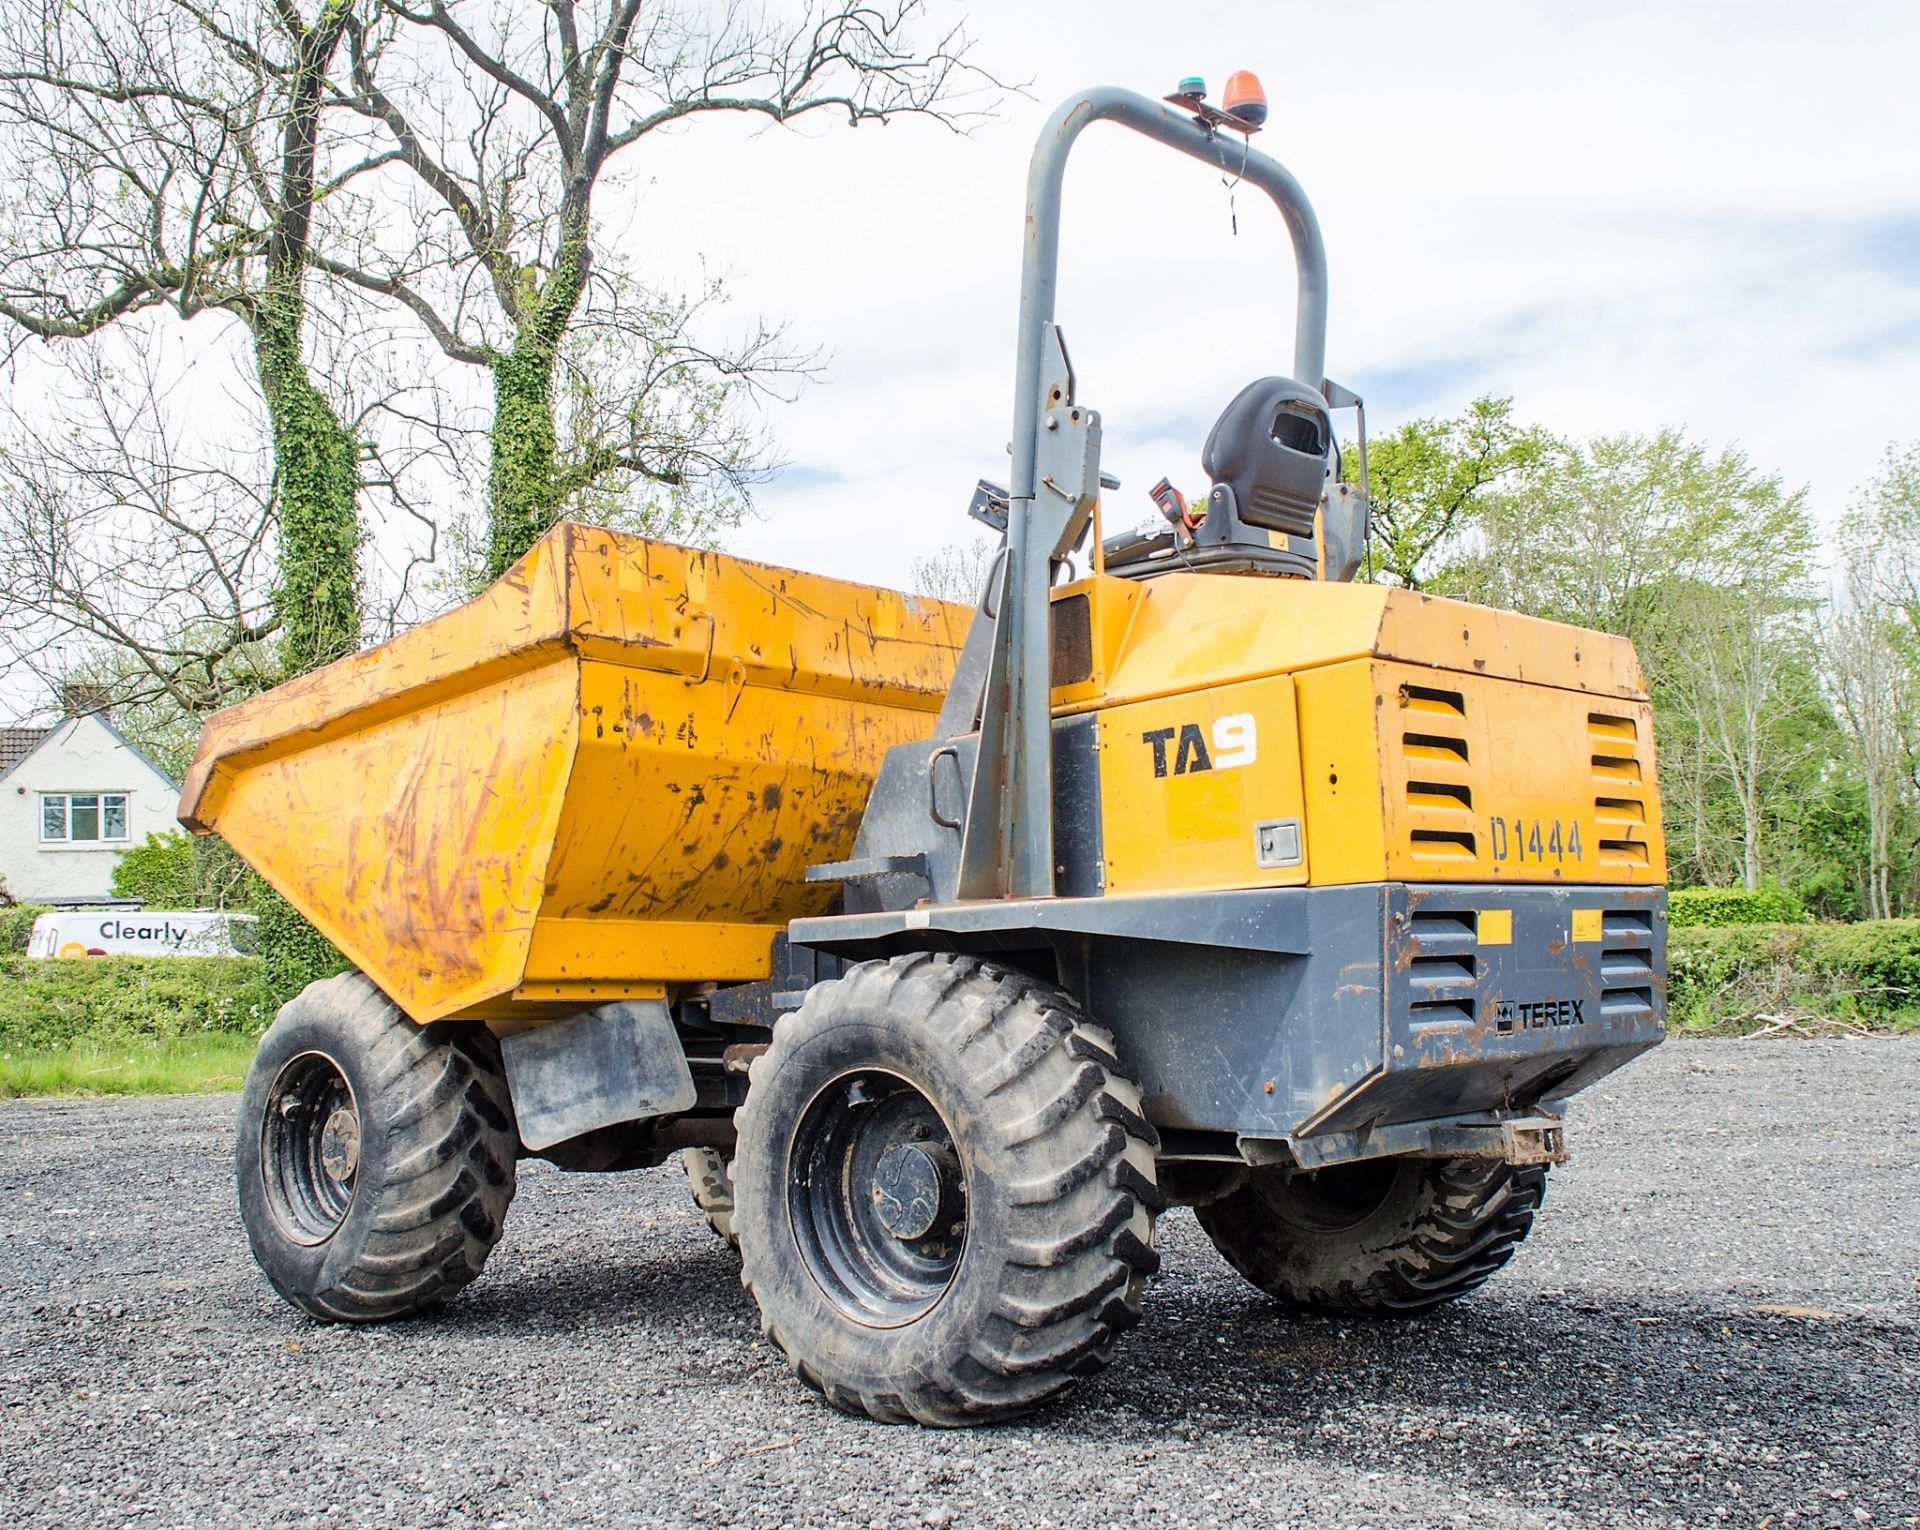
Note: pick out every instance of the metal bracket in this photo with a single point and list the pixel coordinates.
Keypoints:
(989, 506)
(1066, 454)
(872, 866)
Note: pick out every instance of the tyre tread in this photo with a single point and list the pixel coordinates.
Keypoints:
(443, 1199)
(1080, 1182)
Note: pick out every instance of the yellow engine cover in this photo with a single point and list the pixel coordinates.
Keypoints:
(1263, 733)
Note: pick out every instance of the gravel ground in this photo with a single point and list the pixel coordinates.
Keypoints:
(1717, 1321)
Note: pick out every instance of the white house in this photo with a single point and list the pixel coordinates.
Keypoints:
(72, 797)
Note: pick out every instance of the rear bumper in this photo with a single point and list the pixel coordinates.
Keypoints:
(1496, 998)
(1332, 1023)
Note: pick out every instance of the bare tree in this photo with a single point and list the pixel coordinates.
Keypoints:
(132, 556)
(511, 122)
(178, 164)
(958, 572)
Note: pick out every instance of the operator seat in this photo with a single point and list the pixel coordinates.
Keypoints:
(1268, 457)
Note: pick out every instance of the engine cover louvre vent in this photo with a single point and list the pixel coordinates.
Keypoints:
(1439, 794)
(1619, 789)
(1626, 964)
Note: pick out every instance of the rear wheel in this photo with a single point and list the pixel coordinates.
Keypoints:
(1393, 1235)
(944, 1191)
(710, 1179)
(375, 1157)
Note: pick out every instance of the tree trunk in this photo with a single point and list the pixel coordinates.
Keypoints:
(316, 472)
(316, 459)
(524, 492)
(521, 498)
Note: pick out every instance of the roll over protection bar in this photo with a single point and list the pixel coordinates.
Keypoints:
(1007, 850)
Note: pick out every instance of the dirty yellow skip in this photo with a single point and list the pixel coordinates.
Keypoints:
(604, 776)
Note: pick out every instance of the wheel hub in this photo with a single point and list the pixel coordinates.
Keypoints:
(909, 1185)
(310, 1147)
(878, 1196)
(340, 1145)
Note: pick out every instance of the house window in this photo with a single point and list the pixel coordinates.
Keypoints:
(83, 818)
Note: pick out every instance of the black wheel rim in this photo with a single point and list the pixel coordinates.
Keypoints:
(878, 1198)
(310, 1147)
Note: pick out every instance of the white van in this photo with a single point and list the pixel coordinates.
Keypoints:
(117, 932)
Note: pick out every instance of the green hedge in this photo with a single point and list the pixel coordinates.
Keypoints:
(295, 953)
(48, 1004)
(1742, 976)
(16, 924)
(1693, 907)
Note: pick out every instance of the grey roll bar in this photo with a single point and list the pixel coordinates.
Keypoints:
(1007, 850)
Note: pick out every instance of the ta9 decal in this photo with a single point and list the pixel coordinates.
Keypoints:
(1235, 743)
(1534, 841)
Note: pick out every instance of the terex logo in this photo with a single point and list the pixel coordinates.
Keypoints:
(1235, 743)
(1509, 1016)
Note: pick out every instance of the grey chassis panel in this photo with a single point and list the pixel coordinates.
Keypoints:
(1295, 1013)
(920, 796)
(613, 1063)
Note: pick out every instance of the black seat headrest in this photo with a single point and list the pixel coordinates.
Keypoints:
(1270, 447)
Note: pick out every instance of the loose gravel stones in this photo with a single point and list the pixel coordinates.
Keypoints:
(1716, 1321)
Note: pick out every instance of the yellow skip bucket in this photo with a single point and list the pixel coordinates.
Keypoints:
(606, 774)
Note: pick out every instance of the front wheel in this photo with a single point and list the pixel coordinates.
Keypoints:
(1386, 1236)
(375, 1157)
(944, 1191)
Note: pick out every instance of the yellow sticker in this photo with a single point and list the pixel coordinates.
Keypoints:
(1586, 924)
(1496, 926)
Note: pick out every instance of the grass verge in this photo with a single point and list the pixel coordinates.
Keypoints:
(132, 1065)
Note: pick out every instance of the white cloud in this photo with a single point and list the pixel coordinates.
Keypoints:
(1625, 215)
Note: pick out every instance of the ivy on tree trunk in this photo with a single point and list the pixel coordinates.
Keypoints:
(525, 493)
(316, 466)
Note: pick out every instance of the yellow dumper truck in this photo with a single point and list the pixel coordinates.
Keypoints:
(950, 946)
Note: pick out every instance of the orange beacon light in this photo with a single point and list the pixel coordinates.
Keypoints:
(1243, 98)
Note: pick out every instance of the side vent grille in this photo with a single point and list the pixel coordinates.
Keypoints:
(1619, 790)
(1439, 794)
(1442, 976)
(1626, 964)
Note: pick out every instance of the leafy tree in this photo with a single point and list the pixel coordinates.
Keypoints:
(1706, 564)
(1594, 532)
(1432, 478)
(174, 871)
(1873, 672)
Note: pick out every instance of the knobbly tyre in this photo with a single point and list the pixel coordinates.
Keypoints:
(951, 946)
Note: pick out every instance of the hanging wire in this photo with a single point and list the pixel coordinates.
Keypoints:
(1233, 184)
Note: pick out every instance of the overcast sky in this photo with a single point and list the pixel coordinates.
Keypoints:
(1622, 215)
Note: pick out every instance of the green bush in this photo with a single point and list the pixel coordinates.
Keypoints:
(159, 873)
(16, 924)
(176, 870)
(1694, 907)
(293, 952)
(1738, 975)
(49, 1004)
